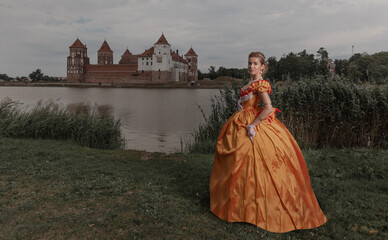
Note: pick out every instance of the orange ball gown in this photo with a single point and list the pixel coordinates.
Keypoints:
(264, 182)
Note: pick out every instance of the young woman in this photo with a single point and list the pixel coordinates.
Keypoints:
(259, 174)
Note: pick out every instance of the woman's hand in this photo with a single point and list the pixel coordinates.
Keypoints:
(251, 131)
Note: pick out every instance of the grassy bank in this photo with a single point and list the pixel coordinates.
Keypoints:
(59, 190)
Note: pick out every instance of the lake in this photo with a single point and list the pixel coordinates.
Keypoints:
(153, 120)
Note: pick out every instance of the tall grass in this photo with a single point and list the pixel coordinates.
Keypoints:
(318, 112)
(88, 126)
(336, 113)
(223, 106)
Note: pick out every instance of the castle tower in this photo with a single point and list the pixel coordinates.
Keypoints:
(192, 59)
(105, 54)
(77, 61)
(162, 60)
(128, 58)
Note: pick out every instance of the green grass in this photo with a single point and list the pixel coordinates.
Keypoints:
(59, 190)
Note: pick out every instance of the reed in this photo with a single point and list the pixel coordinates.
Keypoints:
(88, 126)
(318, 112)
(334, 112)
(223, 106)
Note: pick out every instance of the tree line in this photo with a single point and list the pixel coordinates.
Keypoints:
(294, 66)
(35, 76)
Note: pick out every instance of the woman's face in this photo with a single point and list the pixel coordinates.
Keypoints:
(254, 66)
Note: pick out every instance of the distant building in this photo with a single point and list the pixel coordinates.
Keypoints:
(331, 67)
(157, 64)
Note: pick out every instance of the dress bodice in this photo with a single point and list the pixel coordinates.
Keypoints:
(249, 97)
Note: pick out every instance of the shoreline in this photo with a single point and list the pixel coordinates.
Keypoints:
(201, 84)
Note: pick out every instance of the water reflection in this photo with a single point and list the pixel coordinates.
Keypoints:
(152, 119)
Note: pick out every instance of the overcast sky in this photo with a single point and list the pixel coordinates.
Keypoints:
(37, 34)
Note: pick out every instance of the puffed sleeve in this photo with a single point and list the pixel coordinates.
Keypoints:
(263, 86)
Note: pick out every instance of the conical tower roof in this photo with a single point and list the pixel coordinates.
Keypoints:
(127, 52)
(162, 40)
(105, 47)
(128, 58)
(77, 44)
(191, 52)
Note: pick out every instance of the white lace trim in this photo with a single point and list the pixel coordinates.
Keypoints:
(246, 97)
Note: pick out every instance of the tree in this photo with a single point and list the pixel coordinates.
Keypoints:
(372, 67)
(273, 72)
(341, 66)
(323, 54)
(5, 77)
(212, 72)
(36, 75)
(201, 75)
(323, 61)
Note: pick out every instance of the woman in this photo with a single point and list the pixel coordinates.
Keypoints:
(259, 174)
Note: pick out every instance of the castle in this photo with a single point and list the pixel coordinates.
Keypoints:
(157, 64)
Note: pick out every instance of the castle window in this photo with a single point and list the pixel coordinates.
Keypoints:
(189, 67)
(147, 63)
(142, 58)
(189, 60)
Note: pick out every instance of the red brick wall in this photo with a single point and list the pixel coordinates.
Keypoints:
(161, 76)
(111, 68)
(117, 73)
(121, 73)
(74, 78)
(182, 77)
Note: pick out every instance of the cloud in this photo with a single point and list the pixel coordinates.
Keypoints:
(38, 33)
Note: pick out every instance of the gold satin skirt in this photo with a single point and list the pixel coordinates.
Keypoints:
(265, 183)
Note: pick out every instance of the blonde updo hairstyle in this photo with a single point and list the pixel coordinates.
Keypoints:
(260, 56)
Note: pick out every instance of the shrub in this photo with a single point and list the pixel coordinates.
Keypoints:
(81, 123)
